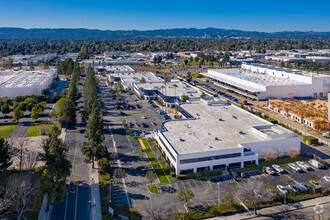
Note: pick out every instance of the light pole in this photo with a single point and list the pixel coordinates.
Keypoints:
(218, 193)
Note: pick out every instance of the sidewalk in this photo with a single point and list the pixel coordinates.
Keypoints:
(278, 209)
(43, 215)
(95, 194)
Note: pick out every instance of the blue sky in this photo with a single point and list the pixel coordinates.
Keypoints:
(258, 15)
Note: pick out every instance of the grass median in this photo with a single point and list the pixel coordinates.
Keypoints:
(5, 130)
(158, 170)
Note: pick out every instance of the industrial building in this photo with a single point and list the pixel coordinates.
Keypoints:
(215, 135)
(313, 114)
(169, 93)
(265, 81)
(14, 83)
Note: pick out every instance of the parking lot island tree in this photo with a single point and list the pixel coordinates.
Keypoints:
(254, 192)
(185, 195)
(18, 114)
(151, 176)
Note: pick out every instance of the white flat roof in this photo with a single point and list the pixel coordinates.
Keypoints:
(19, 79)
(136, 76)
(199, 135)
(171, 90)
(260, 79)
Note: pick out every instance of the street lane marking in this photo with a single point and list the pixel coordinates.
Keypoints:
(75, 179)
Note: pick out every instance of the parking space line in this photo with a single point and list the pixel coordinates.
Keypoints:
(291, 178)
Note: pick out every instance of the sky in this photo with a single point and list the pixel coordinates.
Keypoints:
(267, 16)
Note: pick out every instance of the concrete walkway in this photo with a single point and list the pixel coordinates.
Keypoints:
(95, 193)
(43, 215)
(278, 209)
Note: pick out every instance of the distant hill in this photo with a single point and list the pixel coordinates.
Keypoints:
(73, 33)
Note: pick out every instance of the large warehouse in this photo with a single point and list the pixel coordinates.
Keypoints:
(216, 135)
(14, 83)
(264, 81)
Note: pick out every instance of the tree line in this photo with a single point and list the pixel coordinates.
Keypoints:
(93, 148)
(99, 46)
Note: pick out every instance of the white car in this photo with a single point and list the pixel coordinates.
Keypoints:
(278, 168)
(144, 132)
(282, 189)
(144, 117)
(294, 167)
(315, 163)
(303, 165)
(326, 178)
(269, 170)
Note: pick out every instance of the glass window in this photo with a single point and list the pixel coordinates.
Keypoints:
(217, 157)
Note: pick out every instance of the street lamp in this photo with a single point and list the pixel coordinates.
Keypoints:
(218, 193)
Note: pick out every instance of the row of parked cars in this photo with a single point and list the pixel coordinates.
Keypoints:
(299, 166)
(302, 185)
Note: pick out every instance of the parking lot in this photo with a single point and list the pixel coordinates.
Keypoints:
(132, 115)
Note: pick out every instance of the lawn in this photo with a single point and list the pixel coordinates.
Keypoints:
(159, 171)
(34, 129)
(104, 194)
(5, 130)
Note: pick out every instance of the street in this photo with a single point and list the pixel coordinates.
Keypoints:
(76, 205)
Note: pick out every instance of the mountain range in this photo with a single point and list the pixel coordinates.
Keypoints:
(8, 33)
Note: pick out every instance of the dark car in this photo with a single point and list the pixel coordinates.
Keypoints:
(72, 187)
(145, 125)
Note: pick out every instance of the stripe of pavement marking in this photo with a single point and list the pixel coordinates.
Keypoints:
(291, 178)
(142, 145)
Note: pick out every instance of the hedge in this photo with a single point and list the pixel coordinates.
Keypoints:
(311, 140)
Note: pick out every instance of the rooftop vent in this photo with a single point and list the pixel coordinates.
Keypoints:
(241, 132)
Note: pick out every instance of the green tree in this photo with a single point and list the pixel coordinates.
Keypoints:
(59, 107)
(35, 113)
(189, 77)
(151, 176)
(57, 167)
(119, 173)
(185, 195)
(92, 148)
(5, 109)
(143, 80)
(184, 98)
(5, 158)
(18, 114)
(230, 200)
(103, 164)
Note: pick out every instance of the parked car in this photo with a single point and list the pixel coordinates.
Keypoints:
(293, 188)
(135, 133)
(315, 163)
(131, 124)
(278, 168)
(72, 187)
(282, 189)
(315, 185)
(269, 170)
(144, 132)
(304, 186)
(294, 167)
(144, 117)
(145, 125)
(303, 165)
(244, 175)
(326, 178)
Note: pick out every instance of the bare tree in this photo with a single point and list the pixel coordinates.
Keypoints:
(293, 152)
(325, 186)
(254, 192)
(4, 198)
(277, 153)
(21, 190)
(156, 208)
(267, 154)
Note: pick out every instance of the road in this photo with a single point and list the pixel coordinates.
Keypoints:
(76, 205)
